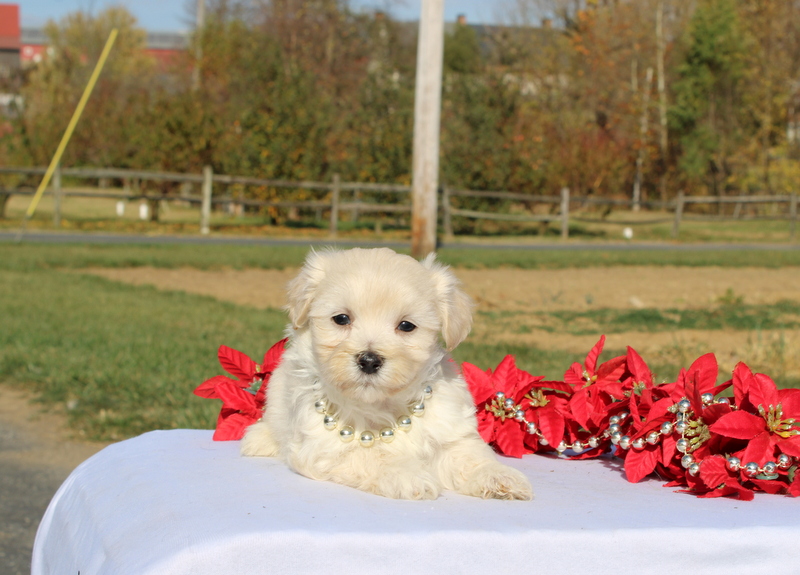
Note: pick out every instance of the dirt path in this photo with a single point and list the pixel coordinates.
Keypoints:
(512, 289)
(36, 455)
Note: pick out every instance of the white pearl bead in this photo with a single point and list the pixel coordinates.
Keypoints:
(543, 441)
(707, 398)
(531, 427)
(682, 445)
(500, 395)
(653, 437)
(693, 469)
(428, 392)
(418, 410)
(508, 403)
(329, 421)
(367, 439)
(593, 442)
(770, 467)
(684, 405)
(751, 469)
(387, 434)
(561, 447)
(346, 434)
(687, 460)
(638, 443)
(613, 420)
(577, 447)
(321, 405)
(625, 442)
(666, 428)
(733, 463)
(404, 422)
(519, 415)
(784, 461)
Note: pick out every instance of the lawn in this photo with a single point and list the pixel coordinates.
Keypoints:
(121, 360)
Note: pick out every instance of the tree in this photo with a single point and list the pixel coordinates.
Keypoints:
(708, 116)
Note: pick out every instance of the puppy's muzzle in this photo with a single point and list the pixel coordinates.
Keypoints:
(369, 362)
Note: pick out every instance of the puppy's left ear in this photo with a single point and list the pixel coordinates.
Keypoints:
(455, 306)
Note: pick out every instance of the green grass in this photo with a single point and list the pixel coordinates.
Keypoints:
(122, 360)
(27, 256)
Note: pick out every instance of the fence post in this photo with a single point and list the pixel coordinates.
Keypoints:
(205, 208)
(678, 215)
(447, 217)
(337, 188)
(792, 214)
(57, 196)
(564, 213)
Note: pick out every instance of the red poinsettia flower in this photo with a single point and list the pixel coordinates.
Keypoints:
(243, 398)
(497, 422)
(768, 418)
(594, 388)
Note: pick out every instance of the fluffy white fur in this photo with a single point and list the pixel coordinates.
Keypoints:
(378, 289)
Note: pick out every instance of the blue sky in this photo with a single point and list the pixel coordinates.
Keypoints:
(174, 15)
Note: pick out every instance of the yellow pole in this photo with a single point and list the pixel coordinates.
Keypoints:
(72, 123)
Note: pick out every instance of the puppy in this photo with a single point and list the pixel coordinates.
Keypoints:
(365, 394)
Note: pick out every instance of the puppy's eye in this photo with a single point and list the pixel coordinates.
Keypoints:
(341, 319)
(406, 326)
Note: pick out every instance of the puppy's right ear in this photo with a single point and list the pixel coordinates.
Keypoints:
(303, 287)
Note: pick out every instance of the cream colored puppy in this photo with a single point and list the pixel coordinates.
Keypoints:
(365, 394)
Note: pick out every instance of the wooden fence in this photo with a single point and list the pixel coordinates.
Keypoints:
(559, 206)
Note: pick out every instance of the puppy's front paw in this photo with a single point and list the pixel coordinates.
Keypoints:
(401, 485)
(497, 481)
(258, 441)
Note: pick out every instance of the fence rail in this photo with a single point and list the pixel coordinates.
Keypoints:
(559, 206)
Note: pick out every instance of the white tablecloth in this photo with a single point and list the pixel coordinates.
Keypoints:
(176, 502)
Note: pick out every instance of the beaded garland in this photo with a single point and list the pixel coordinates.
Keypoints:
(366, 438)
(682, 425)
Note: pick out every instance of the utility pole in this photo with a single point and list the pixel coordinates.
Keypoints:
(199, 24)
(427, 114)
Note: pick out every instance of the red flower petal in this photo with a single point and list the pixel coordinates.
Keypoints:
(574, 376)
(479, 383)
(551, 424)
(510, 438)
(762, 391)
(638, 367)
(234, 397)
(236, 363)
(790, 446)
(208, 388)
(714, 472)
(273, 356)
(739, 425)
(233, 427)
(759, 450)
(594, 353)
(641, 463)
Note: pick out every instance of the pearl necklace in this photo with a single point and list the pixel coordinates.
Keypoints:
(366, 438)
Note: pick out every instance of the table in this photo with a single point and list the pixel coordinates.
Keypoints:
(176, 502)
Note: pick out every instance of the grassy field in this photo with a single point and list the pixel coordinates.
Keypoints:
(120, 360)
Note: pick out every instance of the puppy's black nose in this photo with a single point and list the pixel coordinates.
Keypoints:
(369, 362)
